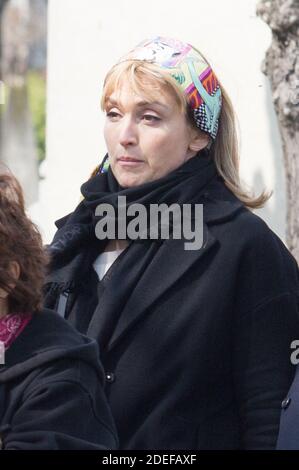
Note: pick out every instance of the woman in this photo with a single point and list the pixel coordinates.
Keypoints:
(195, 342)
(51, 381)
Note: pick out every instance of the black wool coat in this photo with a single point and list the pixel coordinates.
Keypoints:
(51, 390)
(288, 438)
(200, 355)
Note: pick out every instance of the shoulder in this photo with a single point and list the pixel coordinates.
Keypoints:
(222, 208)
(51, 345)
(229, 218)
(266, 270)
(253, 230)
(48, 330)
(258, 239)
(262, 246)
(249, 249)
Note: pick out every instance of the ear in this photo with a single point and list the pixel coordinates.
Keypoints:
(198, 141)
(14, 270)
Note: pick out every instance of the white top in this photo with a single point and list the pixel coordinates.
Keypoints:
(104, 261)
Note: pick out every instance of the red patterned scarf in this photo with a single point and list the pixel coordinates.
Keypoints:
(11, 326)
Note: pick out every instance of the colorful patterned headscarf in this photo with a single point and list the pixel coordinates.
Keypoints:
(191, 71)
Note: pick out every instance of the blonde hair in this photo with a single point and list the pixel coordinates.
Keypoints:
(148, 79)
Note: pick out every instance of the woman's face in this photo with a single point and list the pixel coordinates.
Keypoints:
(146, 140)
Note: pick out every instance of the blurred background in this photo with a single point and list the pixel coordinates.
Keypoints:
(23, 72)
(54, 57)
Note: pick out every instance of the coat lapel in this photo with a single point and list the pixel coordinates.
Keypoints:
(155, 282)
(219, 206)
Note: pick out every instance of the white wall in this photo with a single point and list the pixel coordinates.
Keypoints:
(85, 40)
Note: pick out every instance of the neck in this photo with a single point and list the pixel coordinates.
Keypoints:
(113, 245)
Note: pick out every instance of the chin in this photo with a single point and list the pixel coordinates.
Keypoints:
(129, 181)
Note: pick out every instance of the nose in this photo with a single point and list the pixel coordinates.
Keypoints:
(128, 132)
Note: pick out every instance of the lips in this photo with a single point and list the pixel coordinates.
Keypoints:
(129, 159)
(129, 162)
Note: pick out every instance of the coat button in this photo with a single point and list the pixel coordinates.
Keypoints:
(110, 377)
(285, 403)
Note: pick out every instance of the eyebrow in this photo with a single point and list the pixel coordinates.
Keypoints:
(140, 103)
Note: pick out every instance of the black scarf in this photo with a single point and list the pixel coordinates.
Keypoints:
(75, 245)
(181, 186)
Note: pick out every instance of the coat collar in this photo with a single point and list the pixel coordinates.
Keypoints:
(219, 203)
(219, 206)
(154, 284)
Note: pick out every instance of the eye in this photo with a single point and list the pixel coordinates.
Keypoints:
(151, 118)
(112, 114)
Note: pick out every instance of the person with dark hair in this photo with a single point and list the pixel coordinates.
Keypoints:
(51, 379)
(194, 314)
(10, 187)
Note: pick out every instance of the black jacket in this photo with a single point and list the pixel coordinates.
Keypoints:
(51, 390)
(200, 356)
(288, 438)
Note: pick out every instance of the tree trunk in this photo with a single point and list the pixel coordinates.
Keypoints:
(2, 91)
(281, 65)
(2, 4)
